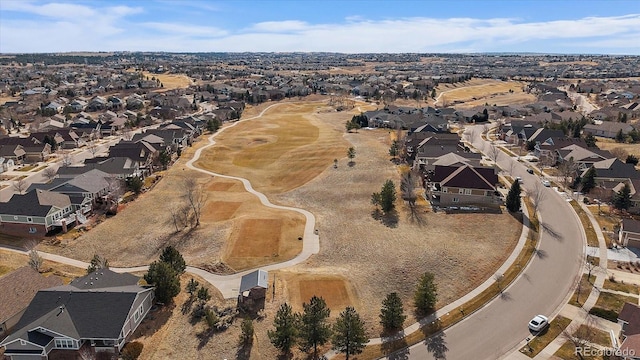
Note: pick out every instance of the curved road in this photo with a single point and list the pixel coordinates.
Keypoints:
(543, 288)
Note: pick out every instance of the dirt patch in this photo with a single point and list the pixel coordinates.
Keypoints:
(257, 241)
(170, 81)
(334, 289)
(220, 210)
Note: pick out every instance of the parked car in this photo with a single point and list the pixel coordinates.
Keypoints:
(538, 323)
(546, 182)
(530, 171)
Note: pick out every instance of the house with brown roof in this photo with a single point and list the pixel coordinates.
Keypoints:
(629, 319)
(19, 288)
(608, 129)
(463, 184)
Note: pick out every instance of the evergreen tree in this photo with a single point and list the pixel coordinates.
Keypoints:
(203, 294)
(388, 196)
(589, 180)
(192, 287)
(590, 140)
(513, 200)
(392, 313)
(284, 336)
(97, 263)
(314, 329)
(632, 159)
(426, 294)
(620, 136)
(246, 337)
(351, 154)
(165, 279)
(622, 199)
(173, 257)
(348, 333)
(394, 150)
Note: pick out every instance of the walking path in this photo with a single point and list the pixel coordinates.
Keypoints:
(227, 284)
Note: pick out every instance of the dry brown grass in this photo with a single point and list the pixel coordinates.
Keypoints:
(477, 92)
(290, 136)
(334, 289)
(10, 261)
(170, 81)
(610, 144)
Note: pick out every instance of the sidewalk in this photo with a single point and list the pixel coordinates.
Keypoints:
(578, 315)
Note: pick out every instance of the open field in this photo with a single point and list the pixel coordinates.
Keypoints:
(170, 81)
(140, 231)
(10, 261)
(477, 92)
(336, 291)
(610, 144)
(290, 137)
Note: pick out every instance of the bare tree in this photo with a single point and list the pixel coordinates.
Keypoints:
(115, 191)
(49, 173)
(568, 169)
(195, 197)
(66, 157)
(494, 153)
(35, 260)
(536, 195)
(620, 153)
(127, 134)
(581, 335)
(591, 265)
(93, 148)
(20, 185)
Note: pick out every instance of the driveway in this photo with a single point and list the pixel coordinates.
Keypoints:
(544, 286)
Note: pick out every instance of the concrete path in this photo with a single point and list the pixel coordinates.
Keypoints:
(227, 284)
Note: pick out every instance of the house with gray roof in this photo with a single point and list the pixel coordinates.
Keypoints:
(608, 129)
(36, 213)
(463, 184)
(19, 287)
(98, 311)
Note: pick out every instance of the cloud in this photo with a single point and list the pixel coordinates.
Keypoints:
(78, 27)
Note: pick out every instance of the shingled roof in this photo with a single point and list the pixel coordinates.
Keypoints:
(19, 287)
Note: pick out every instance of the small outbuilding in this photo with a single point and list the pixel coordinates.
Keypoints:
(254, 285)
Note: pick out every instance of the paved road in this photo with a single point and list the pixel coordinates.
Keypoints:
(499, 327)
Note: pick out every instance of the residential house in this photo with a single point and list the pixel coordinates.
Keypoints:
(36, 213)
(98, 312)
(12, 152)
(96, 104)
(611, 176)
(19, 288)
(34, 149)
(463, 184)
(608, 129)
(432, 147)
(83, 189)
(117, 167)
(629, 234)
(140, 151)
(77, 105)
(577, 150)
(629, 319)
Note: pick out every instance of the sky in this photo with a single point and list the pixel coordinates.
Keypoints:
(345, 26)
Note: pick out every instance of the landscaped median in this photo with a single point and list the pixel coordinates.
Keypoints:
(538, 343)
(455, 315)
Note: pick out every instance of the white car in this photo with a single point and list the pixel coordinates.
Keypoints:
(546, 183)
(538, 323)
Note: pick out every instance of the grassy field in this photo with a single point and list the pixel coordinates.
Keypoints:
(478, 92)
(610, 144)
(291, 137)
(618, 286)
(614, 302)
(170, 81)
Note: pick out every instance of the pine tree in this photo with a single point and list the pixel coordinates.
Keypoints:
(348, 333)
(589, 180)
(513, 200)
(392, 313)
(388, 196)
(314, 329)
(192, 287)
(246, 337)
(426, 294)
(165, 279)
(622, 199)
(172, 257)
(284, 336)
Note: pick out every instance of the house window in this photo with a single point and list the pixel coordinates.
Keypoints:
(32, 230)
(455, 200)
(138, 314)
(444, 189)
(467, 191)
(460, 191)
(29, 219)
(64, 344)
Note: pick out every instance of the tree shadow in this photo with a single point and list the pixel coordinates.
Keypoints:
(186, 307)
(244, 351)
(554, 234)
(351, 163)
(389, 219)
(541, 254)
(416, 216)
(154, 321)
(505, 296)
(204, 336)
(388, 348)
(437, 345)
